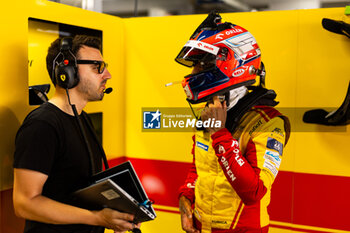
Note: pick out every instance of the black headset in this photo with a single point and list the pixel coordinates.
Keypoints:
(65, 69)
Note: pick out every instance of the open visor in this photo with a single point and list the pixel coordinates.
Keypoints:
(195, 51)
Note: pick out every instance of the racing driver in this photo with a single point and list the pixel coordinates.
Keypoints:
(228, 186)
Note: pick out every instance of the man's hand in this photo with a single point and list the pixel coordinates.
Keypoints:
(135, 226)
(117, 221)
(215, 110)
(186, 215)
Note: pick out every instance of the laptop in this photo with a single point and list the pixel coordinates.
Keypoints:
(117, 188)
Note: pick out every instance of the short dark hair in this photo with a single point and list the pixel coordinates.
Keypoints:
(77, 42)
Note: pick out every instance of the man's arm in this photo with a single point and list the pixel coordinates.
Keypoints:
(30, 204)
(187, 189)
(186, 197)
(238, 171)
(248, 180)
(251, 175)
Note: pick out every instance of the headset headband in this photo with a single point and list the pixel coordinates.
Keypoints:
(63, 63)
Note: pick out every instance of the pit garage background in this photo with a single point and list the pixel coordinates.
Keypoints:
(306, 65)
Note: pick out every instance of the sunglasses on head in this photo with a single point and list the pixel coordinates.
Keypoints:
(101, 65)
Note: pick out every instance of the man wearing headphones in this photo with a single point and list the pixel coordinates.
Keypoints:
(228, 187)
(51, 156)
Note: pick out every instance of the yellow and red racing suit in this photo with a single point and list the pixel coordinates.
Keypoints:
(230, 180)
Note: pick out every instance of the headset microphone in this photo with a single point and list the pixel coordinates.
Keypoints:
(108, 90)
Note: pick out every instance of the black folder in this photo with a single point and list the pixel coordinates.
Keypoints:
(117, 188)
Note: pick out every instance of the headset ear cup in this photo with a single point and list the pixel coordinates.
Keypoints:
(66, 76)
(73, 79)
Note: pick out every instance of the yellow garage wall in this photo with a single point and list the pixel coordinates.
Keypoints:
(14, 49)
(151, 45)
(306, 65)
(14, 54)
(322, 80)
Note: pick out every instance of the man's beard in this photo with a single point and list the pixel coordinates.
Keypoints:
(89, 91)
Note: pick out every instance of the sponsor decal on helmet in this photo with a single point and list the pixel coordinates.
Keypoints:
(242, 43)
(233, 31)
(238, 72)
(206, 46)
(219, 36)
(203, 46)
(230, 32)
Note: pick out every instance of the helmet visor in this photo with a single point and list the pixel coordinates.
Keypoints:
(196, 51)
(202, 85)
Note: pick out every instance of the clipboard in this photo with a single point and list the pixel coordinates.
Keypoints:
(117, 188)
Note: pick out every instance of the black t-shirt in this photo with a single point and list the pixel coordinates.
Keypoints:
(49, 141)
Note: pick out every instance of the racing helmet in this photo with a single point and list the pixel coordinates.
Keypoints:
(228, 55)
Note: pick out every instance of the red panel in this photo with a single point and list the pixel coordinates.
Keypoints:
(116, 161)
(315, 200)
(167, 211)
(296, 229)
(322, 200)
(280, 208)
(9, 222)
